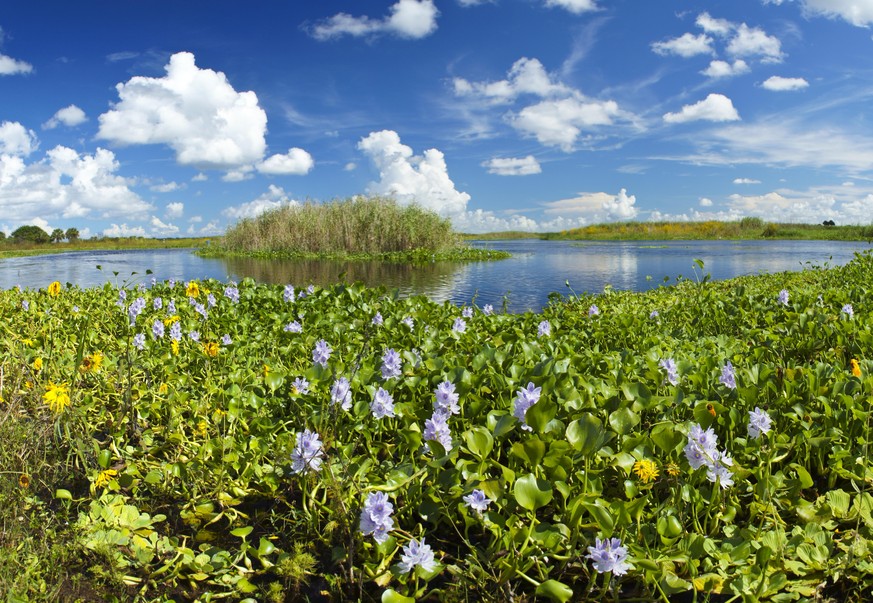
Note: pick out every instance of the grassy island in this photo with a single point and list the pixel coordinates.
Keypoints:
(211, 441)
(360, 228)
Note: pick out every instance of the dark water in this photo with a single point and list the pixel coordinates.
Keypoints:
(536, 269)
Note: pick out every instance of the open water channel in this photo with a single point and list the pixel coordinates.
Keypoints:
(525, 281)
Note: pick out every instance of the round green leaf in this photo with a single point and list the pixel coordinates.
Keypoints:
(532, 493)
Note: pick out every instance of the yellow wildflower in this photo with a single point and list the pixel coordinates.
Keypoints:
(266, 370)
(856, 368)
(211, 349)
(202, 427)
(91, 363)
(219, 412)
(162, 389)
(192, 290)
(24, 480)
(105, 477)
(57, 397)
(170, 320)
(646, 470)
(37, 364)
(28, 342)
(175, 347)
(54, 289)
(672, 469)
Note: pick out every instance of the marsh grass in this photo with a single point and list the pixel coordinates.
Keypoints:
(359, 225)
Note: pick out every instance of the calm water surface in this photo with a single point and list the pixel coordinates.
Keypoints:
(536, 269)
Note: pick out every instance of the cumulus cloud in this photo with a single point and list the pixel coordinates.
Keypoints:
(274, 198)
(686, 45)
(66, 184)
(124, 230)
(513, 166)
(781, 84)
(174, 210)
(715, 107)
(423, 179)
(407, 19)
(754, 41)
(719, 69)
(526, 76)
(161, 228)
(746, 181)
(856, 12)
(295, 162)
(68, 116)
(15, 139)
(709, 24)
(10, 66)
(705, 202)
(560, 122)
(194, 111)
(596, 207)
(576, 7)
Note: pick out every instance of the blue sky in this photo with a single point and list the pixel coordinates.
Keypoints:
(178, 118)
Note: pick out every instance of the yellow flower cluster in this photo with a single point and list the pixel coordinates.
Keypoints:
(105, 477)
(856, 368)
(91, 363)
(37, 364)
(192, 290)
(57, 397)
(211, 349)
(54, 289)
(646, 470)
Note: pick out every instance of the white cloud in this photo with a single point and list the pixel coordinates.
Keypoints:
(576, 7)
(238, 175)
(66, 184)
(124, 231)
(162, 229)
(408, 19)
(194, 111)
(746, 181)
(596, 207)
(718, 69)
(10, 66)
(423, 179)
(350, 166)
(705, 202)
(856, 12)
(513, 166)
(787, 144)
(295, 162)
(526, 76)
(68, 116)
(780, 84)
(753, 41)
(560, 122)
(479, 221)
(166, 187)
(274, 198)
(715, 107)
(719, 27)
(201, 177)
(15, 139)
(174, 210)
(686, 45)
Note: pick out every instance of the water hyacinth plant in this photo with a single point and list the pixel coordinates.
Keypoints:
(719, 451)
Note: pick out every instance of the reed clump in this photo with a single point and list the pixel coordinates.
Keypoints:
(359, 225)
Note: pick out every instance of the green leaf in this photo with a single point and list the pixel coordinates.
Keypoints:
(62, 494)
(556, 591)
(602, 517)
(623, 420)
(539, 415)
(480, 441)
(586, 434)
(242, 532)
(265, 547)
(532, 493)
(392, 596)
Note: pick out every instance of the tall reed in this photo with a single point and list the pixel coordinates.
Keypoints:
(359, 225)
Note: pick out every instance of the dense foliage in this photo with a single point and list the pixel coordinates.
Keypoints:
(211, 440)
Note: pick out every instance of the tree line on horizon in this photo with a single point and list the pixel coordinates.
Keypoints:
(34, 234)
